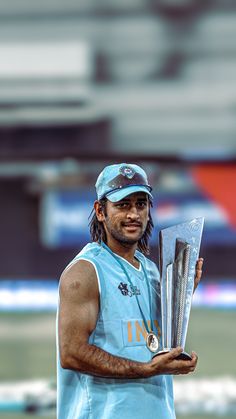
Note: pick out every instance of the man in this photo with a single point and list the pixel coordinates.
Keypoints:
(109, 312)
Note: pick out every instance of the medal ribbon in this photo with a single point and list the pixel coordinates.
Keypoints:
(130, 282)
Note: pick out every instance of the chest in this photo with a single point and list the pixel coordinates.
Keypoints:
(127, 293)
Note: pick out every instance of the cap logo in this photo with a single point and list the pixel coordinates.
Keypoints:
(127, 171)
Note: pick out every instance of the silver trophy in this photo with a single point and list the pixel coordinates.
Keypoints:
(179, 251)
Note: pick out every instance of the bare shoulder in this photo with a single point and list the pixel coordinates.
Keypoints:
(79, 279)
(78, 307)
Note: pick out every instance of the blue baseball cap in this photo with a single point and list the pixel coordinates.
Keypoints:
(117, 181)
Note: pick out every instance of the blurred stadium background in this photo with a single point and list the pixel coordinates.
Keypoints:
(84, 84)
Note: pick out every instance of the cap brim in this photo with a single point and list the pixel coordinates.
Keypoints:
(122, 193)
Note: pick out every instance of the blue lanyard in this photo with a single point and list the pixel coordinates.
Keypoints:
(130, 282)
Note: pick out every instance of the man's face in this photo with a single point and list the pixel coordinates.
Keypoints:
(126, 220)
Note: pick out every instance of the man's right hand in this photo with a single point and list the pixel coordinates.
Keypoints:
(168, 363)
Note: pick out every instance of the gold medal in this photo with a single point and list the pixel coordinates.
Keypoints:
(152, 342)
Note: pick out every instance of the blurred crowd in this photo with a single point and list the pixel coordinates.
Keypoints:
(86, 83)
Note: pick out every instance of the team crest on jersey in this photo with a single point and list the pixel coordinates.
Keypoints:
(128, 290)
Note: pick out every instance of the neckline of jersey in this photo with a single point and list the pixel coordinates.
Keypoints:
(139, 269)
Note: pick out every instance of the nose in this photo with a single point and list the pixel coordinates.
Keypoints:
(133, 213)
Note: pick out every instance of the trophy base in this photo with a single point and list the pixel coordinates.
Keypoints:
(183, 356)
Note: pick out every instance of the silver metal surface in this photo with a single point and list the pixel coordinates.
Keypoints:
(179, 251)
(152, 342)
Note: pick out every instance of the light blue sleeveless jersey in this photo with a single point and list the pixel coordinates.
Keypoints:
(119, 331)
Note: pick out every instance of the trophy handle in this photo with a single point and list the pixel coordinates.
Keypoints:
(180, 279)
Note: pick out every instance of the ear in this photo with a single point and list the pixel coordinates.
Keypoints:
(99, 211)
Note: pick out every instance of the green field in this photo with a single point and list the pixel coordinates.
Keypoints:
(27, 349)
(212, 335)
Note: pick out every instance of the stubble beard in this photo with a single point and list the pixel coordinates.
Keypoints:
(120, 237)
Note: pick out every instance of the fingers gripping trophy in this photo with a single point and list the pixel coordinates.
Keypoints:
(179, 250)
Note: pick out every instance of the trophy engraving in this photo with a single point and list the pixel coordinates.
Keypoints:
(179, 250)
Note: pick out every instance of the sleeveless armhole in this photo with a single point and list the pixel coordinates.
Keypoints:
(99, 275)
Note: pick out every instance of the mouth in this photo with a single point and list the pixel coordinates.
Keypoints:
(132, 227)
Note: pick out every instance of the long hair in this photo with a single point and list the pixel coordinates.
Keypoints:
(98, 233)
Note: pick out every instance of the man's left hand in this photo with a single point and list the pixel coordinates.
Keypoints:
(198, 272)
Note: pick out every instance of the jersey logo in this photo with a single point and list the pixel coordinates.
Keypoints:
(129, 290)
(135, 333)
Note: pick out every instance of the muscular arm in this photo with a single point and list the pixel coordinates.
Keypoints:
(78, 313)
